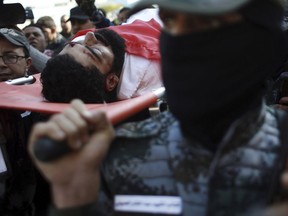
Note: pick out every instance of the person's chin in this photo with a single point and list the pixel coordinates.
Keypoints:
(34, 44)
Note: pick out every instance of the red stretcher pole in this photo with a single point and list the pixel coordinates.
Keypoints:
(47, 150)
(122, 110)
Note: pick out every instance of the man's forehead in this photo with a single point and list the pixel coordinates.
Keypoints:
(100, 37)
(32, 29)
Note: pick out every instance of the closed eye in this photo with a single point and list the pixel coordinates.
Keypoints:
(94, 54)
(102, 39)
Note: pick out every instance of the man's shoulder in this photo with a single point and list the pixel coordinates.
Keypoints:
(137, 139)
(146, 128)
(140, 153)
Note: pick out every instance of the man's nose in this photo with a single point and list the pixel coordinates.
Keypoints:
(28, 36)
(90, 39)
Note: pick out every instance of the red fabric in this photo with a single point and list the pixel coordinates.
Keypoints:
(28, 97)
(142, 38)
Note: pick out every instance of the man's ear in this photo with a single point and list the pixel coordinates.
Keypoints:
(29, 62)
(112, 81)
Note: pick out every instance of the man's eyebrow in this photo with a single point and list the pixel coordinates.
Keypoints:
(101, 38)
(71, 43)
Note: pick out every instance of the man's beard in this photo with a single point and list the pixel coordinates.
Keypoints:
(104, 95)
(96, 82)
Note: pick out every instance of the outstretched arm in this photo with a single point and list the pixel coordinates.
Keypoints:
(39, 59)
(75, 177)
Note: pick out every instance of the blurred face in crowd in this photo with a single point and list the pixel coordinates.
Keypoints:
(65, 26)
(122, 16)
(36, 38)
(13, 62)
(179, 23)
(49, 34)
(91, 52)
(78, 25)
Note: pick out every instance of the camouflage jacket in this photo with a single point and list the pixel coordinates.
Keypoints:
(152, 159)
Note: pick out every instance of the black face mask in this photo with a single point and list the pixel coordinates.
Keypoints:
(213, 77)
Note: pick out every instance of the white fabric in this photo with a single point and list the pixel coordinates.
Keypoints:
(79, 39)
(139, 76)
(145, 15)
(169, 205)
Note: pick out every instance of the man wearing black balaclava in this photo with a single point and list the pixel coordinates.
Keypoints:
(220, 150)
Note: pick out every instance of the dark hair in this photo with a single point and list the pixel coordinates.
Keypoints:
(36, 26)
(118, 48)
(46, 22)
(64, 79)
(124, 9)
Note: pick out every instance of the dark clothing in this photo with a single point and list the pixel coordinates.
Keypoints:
(104, 23)
(18, 187)
(278, 88)
(23, 191)
(153, 158)
(57, 45)
(221, 82)
(66, 35)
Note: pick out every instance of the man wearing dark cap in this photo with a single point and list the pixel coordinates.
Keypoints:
(219, 150)
(79, 20)
(15, 59)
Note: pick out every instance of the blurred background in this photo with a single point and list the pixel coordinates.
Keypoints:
(57, 8)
